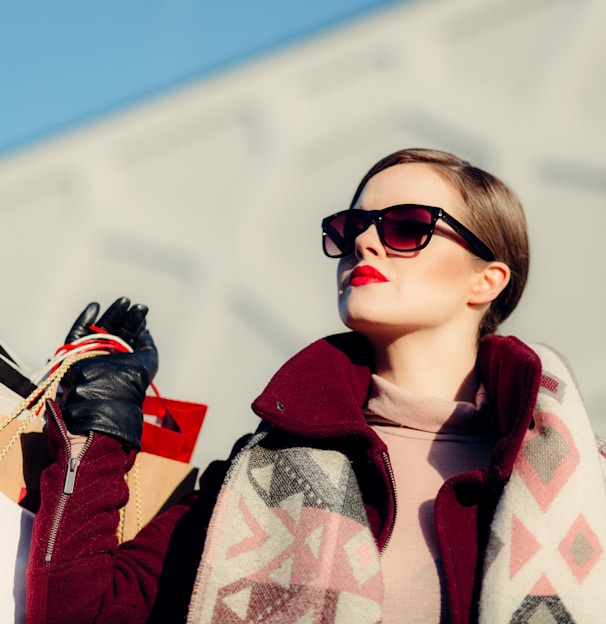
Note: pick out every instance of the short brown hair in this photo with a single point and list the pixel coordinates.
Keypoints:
(495, 215)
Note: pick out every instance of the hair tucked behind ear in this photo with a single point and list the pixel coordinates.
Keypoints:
(495, 215)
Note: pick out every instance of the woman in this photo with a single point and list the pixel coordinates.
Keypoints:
(416, 469)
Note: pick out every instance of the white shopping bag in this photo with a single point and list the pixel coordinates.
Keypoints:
(15, 521)
(16, 530)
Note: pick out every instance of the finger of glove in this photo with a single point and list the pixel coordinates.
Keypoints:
(81, 325)
(133, 323)
(146, 353)
(111, 320)
(124, 322)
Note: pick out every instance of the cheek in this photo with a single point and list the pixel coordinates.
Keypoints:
(451, 265)
(432, 282)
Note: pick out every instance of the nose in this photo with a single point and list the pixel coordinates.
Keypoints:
(369, 243)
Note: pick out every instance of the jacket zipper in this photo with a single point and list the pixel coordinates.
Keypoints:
(392, 482)
(68, 486)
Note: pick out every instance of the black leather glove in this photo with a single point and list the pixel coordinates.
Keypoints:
(106, 393)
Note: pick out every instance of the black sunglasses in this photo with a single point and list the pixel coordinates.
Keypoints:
(407, 227)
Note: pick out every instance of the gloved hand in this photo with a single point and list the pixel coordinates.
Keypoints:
(106, 393)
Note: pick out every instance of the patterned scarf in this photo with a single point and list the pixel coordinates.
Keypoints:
(289, 542)
(545, 562)
(289, 539)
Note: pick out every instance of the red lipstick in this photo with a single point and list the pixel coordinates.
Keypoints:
(365, 274)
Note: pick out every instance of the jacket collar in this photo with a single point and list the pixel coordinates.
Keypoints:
(511, 373)
(320, 391)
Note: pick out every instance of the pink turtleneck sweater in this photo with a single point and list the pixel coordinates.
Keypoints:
(429, 440)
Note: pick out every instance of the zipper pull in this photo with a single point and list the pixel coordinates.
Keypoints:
(70, 477)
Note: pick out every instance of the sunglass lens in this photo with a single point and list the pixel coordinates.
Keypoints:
(406, 228)
(341, 232)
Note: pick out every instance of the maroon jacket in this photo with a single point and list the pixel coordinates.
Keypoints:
(78, 573)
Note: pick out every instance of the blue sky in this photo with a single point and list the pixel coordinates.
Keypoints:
(69, 62)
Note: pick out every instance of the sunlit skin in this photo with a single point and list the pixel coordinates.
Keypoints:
(420, 310)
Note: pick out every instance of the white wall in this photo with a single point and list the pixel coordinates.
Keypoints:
(206, 204)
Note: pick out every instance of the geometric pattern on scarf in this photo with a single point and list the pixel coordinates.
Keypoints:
(545, 562)
(289, 542)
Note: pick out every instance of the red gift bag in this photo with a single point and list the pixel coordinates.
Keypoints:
(171, 427)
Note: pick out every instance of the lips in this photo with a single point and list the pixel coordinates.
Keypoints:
(365, 274)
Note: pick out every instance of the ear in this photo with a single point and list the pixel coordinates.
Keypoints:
(489, 283)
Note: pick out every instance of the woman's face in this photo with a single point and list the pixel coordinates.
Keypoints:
(423, 291)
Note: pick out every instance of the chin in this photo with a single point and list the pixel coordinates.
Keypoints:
(366, 313)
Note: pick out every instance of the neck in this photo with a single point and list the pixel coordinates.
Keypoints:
(422, 365)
